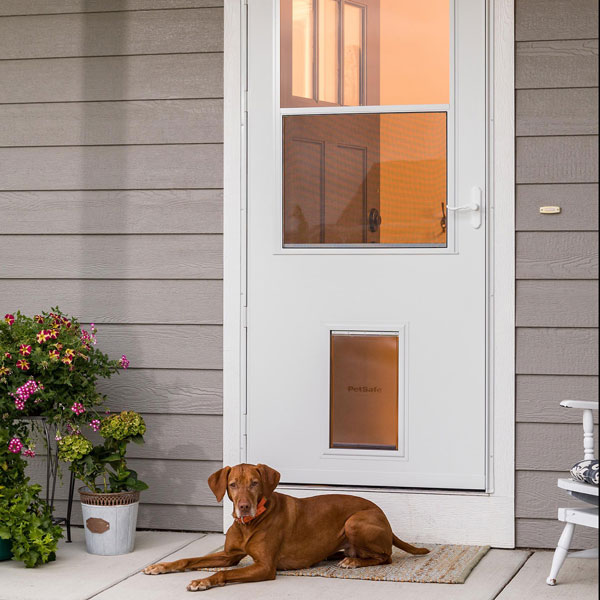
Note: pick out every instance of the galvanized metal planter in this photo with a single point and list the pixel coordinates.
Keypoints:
(109, 521)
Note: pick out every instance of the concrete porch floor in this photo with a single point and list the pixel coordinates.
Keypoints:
(76, 575)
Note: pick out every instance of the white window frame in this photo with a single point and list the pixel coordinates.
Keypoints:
(447, 517)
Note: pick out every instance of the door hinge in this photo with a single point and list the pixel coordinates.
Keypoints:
(245, 317)
(244, 438)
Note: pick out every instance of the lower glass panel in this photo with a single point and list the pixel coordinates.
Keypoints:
(364, 391)
(354, 179)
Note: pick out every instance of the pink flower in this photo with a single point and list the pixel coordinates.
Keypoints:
(10, 319)
(95, 424)
(15, 445)
(8, 355)
(23, 365)
(38, 319)
(43, 336)
(24, 349)
(78, 408)
(23, 393)
(29, 453)
(124, 362)
(54, 354)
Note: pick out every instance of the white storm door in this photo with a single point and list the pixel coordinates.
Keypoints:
(366, 242)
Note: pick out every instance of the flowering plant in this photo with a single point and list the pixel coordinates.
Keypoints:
(49, 366)
(107, 460)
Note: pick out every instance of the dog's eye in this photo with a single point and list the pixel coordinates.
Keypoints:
(254, 484)
(233, 484)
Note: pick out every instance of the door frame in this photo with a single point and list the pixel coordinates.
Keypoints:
(438, 516)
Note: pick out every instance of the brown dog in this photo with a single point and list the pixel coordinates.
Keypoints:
(282, 532)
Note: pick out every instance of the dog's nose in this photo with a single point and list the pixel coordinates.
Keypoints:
(244, 506)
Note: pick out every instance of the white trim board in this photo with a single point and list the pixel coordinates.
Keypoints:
(426, 516)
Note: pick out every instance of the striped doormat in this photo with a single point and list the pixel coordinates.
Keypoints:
(444, 564)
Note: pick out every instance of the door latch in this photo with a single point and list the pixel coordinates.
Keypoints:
(374, 220)
(474, 206)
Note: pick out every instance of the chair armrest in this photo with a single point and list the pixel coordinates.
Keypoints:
(585, 404)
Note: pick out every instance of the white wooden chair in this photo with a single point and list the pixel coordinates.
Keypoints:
(586, 492)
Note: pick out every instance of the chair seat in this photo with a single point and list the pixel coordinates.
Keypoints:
(579, 516)
(578, 486)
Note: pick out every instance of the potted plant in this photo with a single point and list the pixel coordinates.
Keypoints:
(110, 497)
(27, 532)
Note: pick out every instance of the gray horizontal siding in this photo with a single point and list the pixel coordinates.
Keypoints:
(565, 111)
(36, 7)
(112, 33)
(188, 517)
(154, 77)
(556, 64)
(177, 302)
(111, 168)
(578, 203)
(557, 255)
(540, 396)
(112, 211)
(556, 118)
(108, 257)
(555, 303)
(557, 159)
(100, 123)
(555, 19)
(163, 166)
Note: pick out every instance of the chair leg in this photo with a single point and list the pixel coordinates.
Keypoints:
(561, 552)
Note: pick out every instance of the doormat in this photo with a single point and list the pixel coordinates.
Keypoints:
(445, 563)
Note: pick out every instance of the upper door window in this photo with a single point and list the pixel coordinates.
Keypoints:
(364, 52)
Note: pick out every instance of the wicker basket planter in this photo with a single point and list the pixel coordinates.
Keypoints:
(109, 521)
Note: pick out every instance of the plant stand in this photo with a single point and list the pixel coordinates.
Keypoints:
(49, 431)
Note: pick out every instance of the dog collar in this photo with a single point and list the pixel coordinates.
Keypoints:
(260, 509)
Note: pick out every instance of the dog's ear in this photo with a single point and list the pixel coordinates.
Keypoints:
(217, 482)
(270, 479)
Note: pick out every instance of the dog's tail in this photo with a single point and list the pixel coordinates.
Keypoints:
(407, 547)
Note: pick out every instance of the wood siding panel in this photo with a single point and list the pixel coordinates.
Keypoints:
(578, 203)
(163, 516)
(169, 481)
(98, 123)
(544, 533)
(556, 19)
(557, 112)
(164, 346)
(560, 159)
(37, 7)
(538, 496)
(539, 397)
(557, 255)
(557, 303)
(164, 391)
(112, 34)
(192, 302)
(549, 446)
(551, 351)
(556, 64)
(112, 167)
(556, 80)
(154, 77)
(111, 257)
(112, 211)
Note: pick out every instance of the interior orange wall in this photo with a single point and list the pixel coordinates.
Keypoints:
(414, 51)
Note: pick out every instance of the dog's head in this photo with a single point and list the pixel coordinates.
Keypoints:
(245, 486)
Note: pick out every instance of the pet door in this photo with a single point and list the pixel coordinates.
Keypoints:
(364, 390)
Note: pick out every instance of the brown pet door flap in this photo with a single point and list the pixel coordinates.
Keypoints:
(364, 390)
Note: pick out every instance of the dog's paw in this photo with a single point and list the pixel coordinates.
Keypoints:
(198, 585)
(348, 563)
(156, 569)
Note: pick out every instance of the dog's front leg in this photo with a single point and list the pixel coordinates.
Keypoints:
(256, 572)
(218, 559)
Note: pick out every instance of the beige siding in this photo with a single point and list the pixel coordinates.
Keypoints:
(557, 256)
(111, 133)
